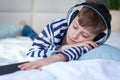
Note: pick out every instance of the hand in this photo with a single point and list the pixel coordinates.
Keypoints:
(88, 44)
(38, 64)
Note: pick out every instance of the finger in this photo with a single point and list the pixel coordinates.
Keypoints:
(40, 68)
(93, 45)
(31, 67)
(25, 66)
(19, 66)
(88, 46)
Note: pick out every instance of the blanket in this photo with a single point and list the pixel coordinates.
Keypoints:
(14, 49)
(96, 69)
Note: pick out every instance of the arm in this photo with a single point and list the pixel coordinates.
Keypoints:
(49, 39)
(42, 44)
(72, 53)
(38, 64)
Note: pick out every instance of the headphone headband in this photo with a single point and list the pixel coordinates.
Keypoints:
(98, 10)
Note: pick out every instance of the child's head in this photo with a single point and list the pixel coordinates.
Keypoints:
(88, 18)
(87, 24)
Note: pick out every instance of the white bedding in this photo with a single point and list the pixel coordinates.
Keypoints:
(73, 70)
(14, 49)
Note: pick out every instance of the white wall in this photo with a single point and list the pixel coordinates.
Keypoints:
(115, 20)
(15, 10)
(35, 12)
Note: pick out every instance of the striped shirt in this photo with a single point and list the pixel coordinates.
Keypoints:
(50, 39)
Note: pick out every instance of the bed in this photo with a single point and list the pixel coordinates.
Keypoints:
(102, 63)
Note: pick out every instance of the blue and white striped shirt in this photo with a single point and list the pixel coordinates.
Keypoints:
(50, 39)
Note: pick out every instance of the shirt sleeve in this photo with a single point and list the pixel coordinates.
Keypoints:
(43, 44)
(74, 53)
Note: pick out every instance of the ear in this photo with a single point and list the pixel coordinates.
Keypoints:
(100, 36)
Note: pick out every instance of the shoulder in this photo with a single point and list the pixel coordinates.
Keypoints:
(59, 21)
(58, 24)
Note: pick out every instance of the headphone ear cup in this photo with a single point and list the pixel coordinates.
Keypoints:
(99, 37)
(73, 15)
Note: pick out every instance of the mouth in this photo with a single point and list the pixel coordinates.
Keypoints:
(71, 40)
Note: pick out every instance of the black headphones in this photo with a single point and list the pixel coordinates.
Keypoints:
(75, 10)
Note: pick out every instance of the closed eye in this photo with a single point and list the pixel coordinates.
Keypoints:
(85, 35)
(75, 27)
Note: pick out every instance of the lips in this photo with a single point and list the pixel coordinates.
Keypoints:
(71, 40)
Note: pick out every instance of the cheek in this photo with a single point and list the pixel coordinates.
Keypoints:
(92, 37)
(82, 39)
(69, 32)
(89, 39)
(68, 35)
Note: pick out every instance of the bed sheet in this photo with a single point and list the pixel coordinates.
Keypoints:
(14, 49)
(74, 70)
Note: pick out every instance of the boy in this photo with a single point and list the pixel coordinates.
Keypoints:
(67, 43)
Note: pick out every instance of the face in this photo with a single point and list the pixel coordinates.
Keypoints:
(77, 33)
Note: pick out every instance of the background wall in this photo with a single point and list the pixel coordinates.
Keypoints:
(115, 20)
(39, 12)
(35, 12)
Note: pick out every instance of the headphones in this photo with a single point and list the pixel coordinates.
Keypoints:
(75, 10)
